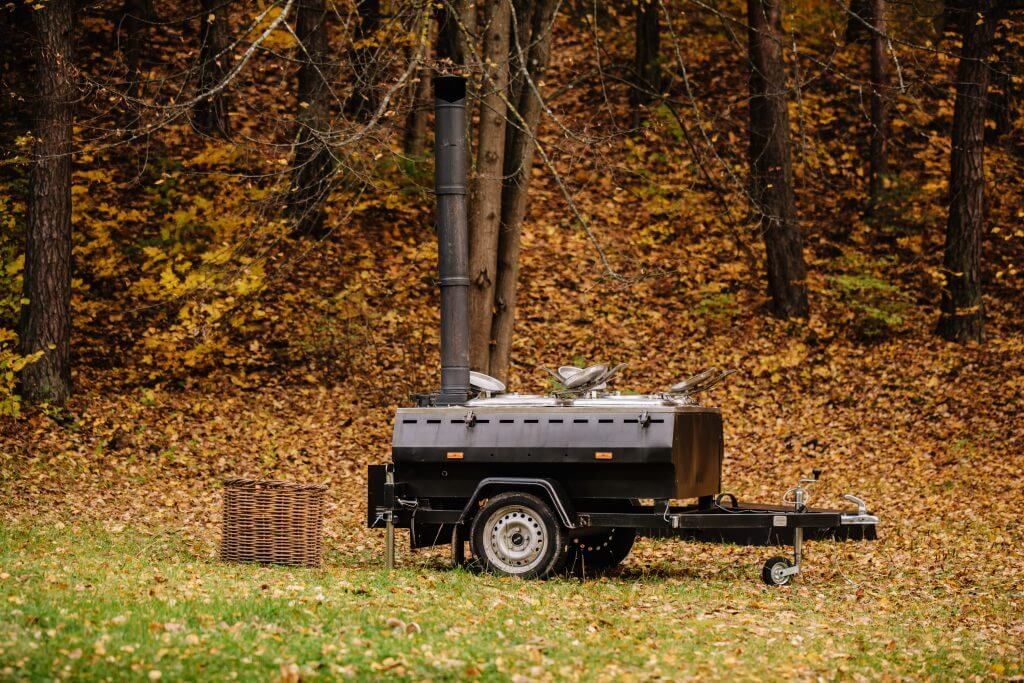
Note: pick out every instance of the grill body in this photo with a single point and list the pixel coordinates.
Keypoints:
(593, 451)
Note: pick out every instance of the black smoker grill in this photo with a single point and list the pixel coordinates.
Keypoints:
(541, 484)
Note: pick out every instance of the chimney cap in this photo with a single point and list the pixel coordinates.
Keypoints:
(450, 88)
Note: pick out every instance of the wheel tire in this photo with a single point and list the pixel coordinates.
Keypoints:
(594, 554)
(518, 534)
(770, 571)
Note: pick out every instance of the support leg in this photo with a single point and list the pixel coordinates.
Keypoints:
(389, 542)
(389, 522)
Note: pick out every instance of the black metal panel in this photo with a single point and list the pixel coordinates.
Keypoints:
(424, 534)
(552, 435)
(604, 447)
(697, 454)
(458, 479)
(379, 496)
(716, 520)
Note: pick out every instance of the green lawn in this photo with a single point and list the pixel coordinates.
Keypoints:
(90, 603)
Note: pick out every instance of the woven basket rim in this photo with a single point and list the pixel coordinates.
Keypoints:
(245, 483)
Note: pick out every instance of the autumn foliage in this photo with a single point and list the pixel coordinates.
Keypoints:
(211, 339)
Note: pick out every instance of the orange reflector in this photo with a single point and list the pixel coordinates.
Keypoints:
(455, 455)
(603, 455)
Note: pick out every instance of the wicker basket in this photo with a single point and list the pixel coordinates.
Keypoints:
(273, 522)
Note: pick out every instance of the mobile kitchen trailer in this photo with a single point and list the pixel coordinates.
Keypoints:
(537, 484)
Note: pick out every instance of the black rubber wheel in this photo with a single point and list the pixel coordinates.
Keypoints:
(518, 534)
(770, 571)
(600, 552)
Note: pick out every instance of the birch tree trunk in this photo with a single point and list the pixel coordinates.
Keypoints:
(771, 168)
(486, 188)
(45, 324)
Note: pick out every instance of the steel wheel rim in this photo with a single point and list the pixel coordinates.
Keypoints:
(515, 539)
(777, 576)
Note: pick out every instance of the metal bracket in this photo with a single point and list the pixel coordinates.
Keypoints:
(862, 507)
(852, 520)
(790, 571)
(798, 548)
(862, 516)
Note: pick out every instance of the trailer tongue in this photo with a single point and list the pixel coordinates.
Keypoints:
(539, 484)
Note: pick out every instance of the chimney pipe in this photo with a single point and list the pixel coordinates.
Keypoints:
(452, 236)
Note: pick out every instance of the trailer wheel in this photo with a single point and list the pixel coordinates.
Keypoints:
(601, 552)
(771, 572)
(518, 534)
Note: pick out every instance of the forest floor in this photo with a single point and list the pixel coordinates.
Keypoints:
(292, 364)
(92, 601)
(109, 527)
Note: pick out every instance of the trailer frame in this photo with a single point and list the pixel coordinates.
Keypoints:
(712, 519)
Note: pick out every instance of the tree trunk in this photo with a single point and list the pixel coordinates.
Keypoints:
(16, 57)
(520, 24)
(647, 60)
(136, 18)
(452, 40)
(485, 198)
(457, 31)
(46, 318)
(415, 136)
(312, 163)
(211, 113)
(363, 101)
(962, 317)
(860, 17)
(518, 164)
(1004, 92)
(771, 169)
(879, 155)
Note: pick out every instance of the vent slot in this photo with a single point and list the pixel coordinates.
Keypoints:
(408, 422)
(606, 421)
(531, 421)
(579, 421)
(433, 422)
(631, 421)
(506, 422)
(555, 421)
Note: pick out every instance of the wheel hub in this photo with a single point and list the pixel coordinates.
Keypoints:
(515, 539)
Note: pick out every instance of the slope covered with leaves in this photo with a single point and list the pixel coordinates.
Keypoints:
(209, 344)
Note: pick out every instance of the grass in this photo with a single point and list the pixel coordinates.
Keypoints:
(95, 602)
